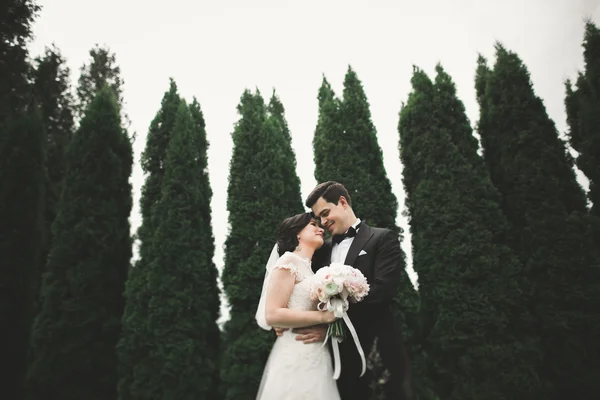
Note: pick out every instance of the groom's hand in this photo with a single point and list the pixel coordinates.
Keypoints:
(312, 334)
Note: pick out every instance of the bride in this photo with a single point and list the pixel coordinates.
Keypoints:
(294, 370)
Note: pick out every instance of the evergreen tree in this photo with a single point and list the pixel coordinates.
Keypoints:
(346, 150)
(76, 331)
(213, 337)
(583, 114)
(325, 146)
(53, 93)
(208, 240)
(101, 70)
(256, 209)
(291, 182)
(130, 349)
(16, 18)
(549, 229)
(22, 159)
(475, 330)
(181, 340)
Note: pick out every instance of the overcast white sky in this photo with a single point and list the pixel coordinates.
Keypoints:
(216, 49)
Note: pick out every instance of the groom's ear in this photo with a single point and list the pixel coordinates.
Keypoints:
(343, 202)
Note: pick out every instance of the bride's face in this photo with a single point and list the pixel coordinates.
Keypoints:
(311, 235)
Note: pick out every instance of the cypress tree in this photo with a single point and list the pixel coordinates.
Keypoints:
(327, 133)
(16, 18)
(291, 182)
(208, 240)
(546, 212)
(101, 70)
(213, 303)
(475, 331)
(346, 150)
(53, 92)
(130, 349)
(22, 159)
(181, 337)
(583, 114)
(22, 172)
(256, 208)
(76, 331)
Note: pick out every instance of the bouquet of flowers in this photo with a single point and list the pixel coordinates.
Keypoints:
(335, 286)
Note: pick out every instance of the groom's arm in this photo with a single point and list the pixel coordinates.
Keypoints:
(311, 334)
(386, 273)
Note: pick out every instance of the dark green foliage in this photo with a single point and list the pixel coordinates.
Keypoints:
(53, 92)
(75, 333)
(504, 141)
(213, 337)
(22, 160)
(181, 342)
(101, 70)
(583, 114)
(327, 133)
(549, 228)
(21, 192)
(290, 178)
(475, 329)
(207, 240)
(346, 150)
(259, 179)
(131, 349)
(153, 158)
(16, 18)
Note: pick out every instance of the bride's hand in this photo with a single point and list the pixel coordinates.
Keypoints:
(328, 317)
(279, 331)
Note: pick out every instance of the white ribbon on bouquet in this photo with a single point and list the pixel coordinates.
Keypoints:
(339, 307)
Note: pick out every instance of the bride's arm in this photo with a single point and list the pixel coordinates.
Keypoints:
(281, 285)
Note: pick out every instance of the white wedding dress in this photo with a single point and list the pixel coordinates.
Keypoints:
(294, 370)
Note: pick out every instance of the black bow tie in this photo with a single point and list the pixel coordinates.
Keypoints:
(337, 239)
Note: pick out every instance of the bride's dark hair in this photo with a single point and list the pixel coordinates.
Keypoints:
(287, 239)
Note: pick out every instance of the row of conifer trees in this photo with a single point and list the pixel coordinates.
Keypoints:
(505, 244)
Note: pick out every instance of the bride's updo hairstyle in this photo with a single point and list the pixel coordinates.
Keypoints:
(287, 239)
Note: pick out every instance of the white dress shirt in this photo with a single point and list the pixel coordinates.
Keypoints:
(340, 251)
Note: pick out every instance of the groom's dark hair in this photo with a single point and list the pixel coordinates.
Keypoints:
(331, 191)
(287, 239)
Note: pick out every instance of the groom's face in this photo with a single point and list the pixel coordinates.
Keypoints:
(332, 216)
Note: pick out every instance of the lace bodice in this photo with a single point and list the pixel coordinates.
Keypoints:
(292, 364)
(301, 268)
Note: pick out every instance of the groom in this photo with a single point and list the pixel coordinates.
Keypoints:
(376, 253)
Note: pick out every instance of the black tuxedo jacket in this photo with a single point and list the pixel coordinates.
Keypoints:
(376, 253)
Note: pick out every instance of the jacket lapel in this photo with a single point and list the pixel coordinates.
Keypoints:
(324, 256)
(363, 235)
